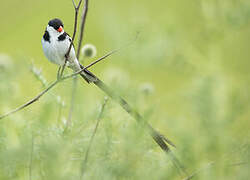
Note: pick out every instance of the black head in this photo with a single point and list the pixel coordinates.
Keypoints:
(55, 23)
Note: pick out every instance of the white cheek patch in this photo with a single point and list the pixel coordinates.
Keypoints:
(52, 31)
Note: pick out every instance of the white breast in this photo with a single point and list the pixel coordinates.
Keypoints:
(55, 50)
(50, 51)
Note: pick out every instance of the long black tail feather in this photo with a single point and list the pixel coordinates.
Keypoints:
(88, 76)
(158, 138)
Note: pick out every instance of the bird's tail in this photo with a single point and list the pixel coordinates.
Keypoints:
(162, 141)
(87, 75)
(158, 138)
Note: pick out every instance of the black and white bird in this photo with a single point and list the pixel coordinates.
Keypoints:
(56, 43)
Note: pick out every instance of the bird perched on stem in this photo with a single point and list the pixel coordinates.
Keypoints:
(56, 43)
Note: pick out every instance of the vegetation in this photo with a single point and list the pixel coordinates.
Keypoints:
(187, 74)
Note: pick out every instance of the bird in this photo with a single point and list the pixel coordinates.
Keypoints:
(56, 43)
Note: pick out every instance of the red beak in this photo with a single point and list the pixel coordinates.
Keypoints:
(60, 29)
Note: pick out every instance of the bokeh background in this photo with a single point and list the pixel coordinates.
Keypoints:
(187, 74)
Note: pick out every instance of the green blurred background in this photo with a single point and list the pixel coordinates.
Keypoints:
(187, 74)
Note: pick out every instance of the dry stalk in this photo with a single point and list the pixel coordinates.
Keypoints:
(92, 137)
(74, 85)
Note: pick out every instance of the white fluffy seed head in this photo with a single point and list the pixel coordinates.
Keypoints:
(88, 50)
(147, 88)
(5, 61)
